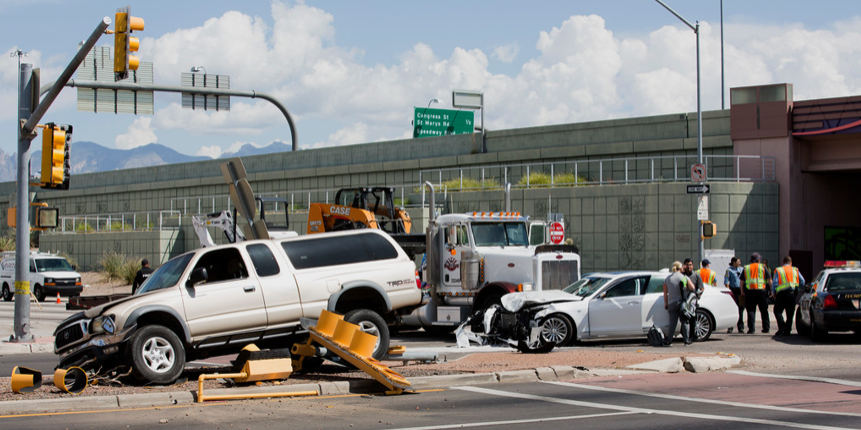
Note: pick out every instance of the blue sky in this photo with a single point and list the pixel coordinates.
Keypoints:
(351, 72)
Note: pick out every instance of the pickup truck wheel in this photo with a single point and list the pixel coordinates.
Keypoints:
(371, 322)
(37, 291)
(156, 354)
(7, 293)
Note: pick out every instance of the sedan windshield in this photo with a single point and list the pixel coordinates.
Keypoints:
(53, 265)
(500, 234)
(166, 276)
(586, 286)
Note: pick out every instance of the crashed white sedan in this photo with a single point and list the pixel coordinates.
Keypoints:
(620, 305)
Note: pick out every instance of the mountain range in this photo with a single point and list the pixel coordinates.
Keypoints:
(89, 157)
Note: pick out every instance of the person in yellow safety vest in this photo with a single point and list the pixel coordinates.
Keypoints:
(756, 287)
(787, 280)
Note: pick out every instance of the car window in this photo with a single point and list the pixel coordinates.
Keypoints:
(656, 285)
(586, 286)
(628, 287)
(816, 281)
(332, 251)
(843, 281)
(263, 260)
(223, 265)
(167, 275)
(53, 265)
(500, 234)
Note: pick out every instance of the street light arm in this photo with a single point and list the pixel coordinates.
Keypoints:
(693, 27)
(192, 90)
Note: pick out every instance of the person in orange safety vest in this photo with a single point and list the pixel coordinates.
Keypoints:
(786, 281)
(756, 286)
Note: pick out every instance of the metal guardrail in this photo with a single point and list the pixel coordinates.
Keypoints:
(673, 168)
(123, 221)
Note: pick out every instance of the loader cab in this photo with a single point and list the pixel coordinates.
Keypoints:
(275, 208)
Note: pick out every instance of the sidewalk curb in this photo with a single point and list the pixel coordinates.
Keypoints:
(553, 373)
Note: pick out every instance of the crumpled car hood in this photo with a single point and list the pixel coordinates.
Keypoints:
(513, 302)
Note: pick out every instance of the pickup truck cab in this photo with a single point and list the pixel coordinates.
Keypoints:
(50, 274)
(224, 297)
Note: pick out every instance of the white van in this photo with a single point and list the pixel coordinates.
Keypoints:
(49, 274)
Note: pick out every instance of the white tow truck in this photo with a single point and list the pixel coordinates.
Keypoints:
(473, 259)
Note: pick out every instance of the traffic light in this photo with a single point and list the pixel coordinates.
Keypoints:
(56, 143)
(709, 229)
(46, 217)
(124, 42)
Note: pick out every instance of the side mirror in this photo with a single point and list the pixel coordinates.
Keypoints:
(603, 295)
(197, 276)
(75, 267)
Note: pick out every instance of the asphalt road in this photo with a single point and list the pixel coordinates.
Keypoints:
(656, 402)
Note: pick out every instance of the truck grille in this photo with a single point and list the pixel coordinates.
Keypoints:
(70, 334)
(64, 282)
(556, 275)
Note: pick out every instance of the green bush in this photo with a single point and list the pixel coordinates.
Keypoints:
(469, 184)
(118, 267)
(83, 227)
(542, 180)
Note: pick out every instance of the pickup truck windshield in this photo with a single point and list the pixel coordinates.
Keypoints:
(166, 276)
(53, 265)
(500, 234)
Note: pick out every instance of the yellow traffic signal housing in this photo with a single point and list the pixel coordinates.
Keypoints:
(125, 43)
(709, 229)
(56, 140)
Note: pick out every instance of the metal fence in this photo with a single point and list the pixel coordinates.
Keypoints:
(117, 222)
(719, 168)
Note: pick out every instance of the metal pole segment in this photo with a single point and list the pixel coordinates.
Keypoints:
(192, 90)
(21, 316)
(66, 75)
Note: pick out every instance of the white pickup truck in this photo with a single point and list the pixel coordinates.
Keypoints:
(50, 274)
(219, 299)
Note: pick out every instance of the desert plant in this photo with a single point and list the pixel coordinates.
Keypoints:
(83, 227)
(455, 184)
(72, 260)
(569, 179)
(535, 180)
(7, 243)
(116, 266)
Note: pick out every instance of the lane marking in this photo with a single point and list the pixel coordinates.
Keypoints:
(645, 410)
(514, 422)
(798, 378)
(701, 400)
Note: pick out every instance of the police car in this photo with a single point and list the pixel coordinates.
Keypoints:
(831, 301)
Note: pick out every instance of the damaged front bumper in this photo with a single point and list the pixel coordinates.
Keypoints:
(100, 350)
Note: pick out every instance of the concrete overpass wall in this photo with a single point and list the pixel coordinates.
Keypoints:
(598, 215)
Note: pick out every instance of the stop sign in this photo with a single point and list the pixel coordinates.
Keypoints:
(557, 233)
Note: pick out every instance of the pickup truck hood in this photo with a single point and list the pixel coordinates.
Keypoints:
(513, 302)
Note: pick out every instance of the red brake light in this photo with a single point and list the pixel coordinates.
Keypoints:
(829, 302)
(729, 293)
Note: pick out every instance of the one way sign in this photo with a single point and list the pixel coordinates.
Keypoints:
(698, 189)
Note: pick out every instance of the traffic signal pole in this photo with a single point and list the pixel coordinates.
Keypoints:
(28, 119)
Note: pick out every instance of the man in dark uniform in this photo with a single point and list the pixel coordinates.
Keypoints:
(142, 275)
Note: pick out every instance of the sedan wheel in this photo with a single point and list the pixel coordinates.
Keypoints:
(800, 327)
(816, 334)
(704, 326)
(558, 329)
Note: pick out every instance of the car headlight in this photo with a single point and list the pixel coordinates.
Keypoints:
(102, 324)
(49, 280)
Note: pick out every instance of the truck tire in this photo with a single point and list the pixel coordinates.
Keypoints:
(488, 301)
(156, 354)
(37, 291)
(371, 322)
(7, 292)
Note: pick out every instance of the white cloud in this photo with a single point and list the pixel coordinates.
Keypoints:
(350, 135)
(139, 133)
(582, 72)
(506, 53)
(213, 151)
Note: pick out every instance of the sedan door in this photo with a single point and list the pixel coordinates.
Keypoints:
(617, 310)
(653, 304)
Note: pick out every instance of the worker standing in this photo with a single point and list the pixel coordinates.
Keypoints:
(786, 279)
(756, 285)
(706, 276)
(732, 280)
(142, 275)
